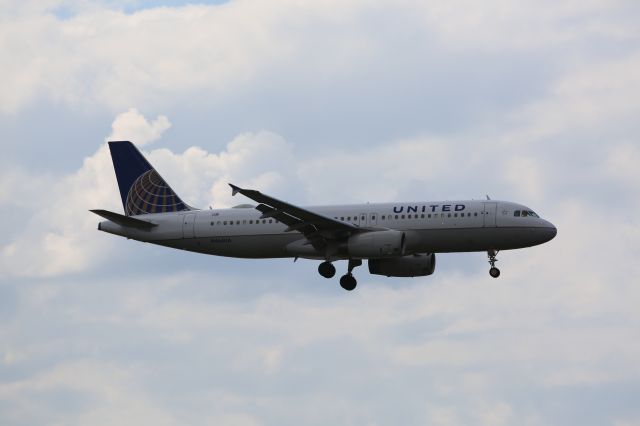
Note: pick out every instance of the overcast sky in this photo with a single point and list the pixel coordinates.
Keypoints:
(333, 101)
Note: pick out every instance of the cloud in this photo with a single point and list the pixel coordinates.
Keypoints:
(361, 102)
(55, 238)
(132, 126)
(122, 400)
(157, 56)
(262, 160)
(60, 237)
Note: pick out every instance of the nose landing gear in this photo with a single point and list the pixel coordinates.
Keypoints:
(494, 272)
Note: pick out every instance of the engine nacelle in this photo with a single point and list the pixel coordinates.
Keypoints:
(376, 244)
(415, 265)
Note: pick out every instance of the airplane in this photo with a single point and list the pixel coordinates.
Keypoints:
(396, 239)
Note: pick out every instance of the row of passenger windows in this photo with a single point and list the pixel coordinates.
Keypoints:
(244, 222)
(408, 216)
(524, 213)
(373, 218)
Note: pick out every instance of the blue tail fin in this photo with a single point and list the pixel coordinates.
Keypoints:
(142, 189)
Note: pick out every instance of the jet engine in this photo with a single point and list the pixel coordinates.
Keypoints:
(376, 244)
(415, 265)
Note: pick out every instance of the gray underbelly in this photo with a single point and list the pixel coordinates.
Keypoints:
(477, 239)
(246, 246)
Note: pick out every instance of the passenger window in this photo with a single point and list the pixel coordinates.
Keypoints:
(373, 217)
(342, 218)
(516, 213)
(270, 221)
(422, 216)
(429, 215)
(396, 216)
(402, 217)
(218, 223)
(475, 214)
(455, 215)
(363, 218)
(382, 217)
(448, 214)
(348, 218)
(211, 223)
(225, 222)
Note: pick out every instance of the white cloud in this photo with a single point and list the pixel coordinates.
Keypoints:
(60, 235)
(261, 160)
(502, 26)
(270, 342)
(108, 57)
(132, 126)
(56, 238)
(121, 399)
(622, 163)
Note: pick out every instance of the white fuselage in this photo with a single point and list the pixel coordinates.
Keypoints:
(431, 227)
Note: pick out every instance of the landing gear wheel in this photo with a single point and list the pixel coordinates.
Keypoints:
(494, 272)
(348, 282)
(327, 270)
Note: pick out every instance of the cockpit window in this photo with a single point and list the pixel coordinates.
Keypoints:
(524, 213)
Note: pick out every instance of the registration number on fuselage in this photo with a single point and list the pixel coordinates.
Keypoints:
(220, 240)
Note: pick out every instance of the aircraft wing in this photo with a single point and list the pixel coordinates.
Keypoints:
(311, 224)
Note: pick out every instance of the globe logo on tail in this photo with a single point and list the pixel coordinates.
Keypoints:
(151, 194)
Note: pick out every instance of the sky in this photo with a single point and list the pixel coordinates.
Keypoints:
(347, 101)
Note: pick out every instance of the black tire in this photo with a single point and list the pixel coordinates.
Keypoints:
(494, 272)
(326, 269)
(348, 282)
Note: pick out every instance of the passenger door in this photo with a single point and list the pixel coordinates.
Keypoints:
(188, 224)
(490, 214)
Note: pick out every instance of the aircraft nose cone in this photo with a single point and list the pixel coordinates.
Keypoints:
(550, 231)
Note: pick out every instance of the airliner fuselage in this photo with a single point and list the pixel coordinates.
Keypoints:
(240, 231)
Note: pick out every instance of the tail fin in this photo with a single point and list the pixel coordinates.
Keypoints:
(142, 189)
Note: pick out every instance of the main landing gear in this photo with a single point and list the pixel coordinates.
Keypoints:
(494, 272)
(327, 270)
(347, 281)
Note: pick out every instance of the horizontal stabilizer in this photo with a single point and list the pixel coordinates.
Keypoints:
(123, 220)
